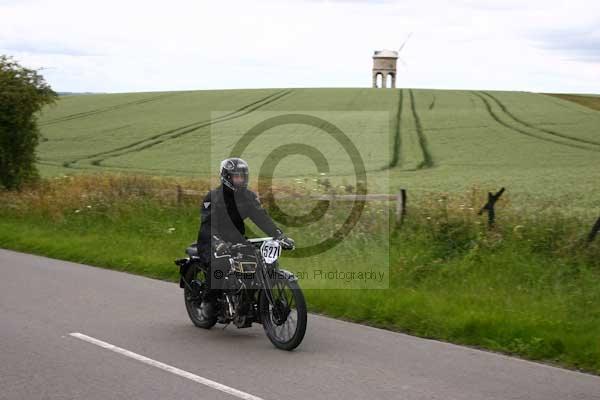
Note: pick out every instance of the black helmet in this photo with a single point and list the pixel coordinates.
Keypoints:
(231, 167)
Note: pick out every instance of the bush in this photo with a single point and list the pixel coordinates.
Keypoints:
(23, 92)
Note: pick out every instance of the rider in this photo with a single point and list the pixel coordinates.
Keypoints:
(223, 211)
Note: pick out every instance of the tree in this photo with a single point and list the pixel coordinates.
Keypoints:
(23, 92)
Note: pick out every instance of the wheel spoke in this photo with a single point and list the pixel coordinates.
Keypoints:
(282, 294)
(278, 331)
(289, 329)
(292, 300)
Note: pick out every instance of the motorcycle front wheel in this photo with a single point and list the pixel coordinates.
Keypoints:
(284, 321)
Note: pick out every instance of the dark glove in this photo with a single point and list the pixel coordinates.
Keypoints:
(221, 247)
(286, 242)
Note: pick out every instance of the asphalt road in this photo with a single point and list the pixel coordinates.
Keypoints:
(161, 355)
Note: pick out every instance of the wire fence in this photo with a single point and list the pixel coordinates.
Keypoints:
(400, 198)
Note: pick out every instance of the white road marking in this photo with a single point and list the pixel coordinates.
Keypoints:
(166, 367)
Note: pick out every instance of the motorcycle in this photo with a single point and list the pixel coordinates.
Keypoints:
(255, 290)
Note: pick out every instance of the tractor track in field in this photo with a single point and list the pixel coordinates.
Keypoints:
(102, 110)
(109, 168)
(495, 116)
(396, 159)
(548, 131)
(173, 130)
(179, 131)
(228, 117)
(458, 127)
(427, 157)
(432, 103)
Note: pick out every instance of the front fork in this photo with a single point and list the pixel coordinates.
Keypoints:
(267, 282)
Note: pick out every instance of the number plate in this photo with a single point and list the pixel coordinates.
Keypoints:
(270, 250)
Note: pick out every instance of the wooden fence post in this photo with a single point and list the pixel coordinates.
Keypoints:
(489, 207)
(400, 206)
(179, 194)
(594, 231)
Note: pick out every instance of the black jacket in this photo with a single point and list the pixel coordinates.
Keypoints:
(223, 212)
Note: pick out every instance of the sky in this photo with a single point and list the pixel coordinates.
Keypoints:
(139, 46)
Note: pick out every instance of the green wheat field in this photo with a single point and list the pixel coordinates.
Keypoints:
(538, 146)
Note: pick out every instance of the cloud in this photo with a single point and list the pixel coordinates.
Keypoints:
(576, 44)
(137, 45)
(48, 48)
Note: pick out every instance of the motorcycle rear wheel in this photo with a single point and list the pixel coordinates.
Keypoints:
(193, 301)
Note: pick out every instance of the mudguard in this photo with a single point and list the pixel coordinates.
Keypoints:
(288, 275)
(184, 265)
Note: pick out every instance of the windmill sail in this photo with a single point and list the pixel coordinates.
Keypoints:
(404, 44)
